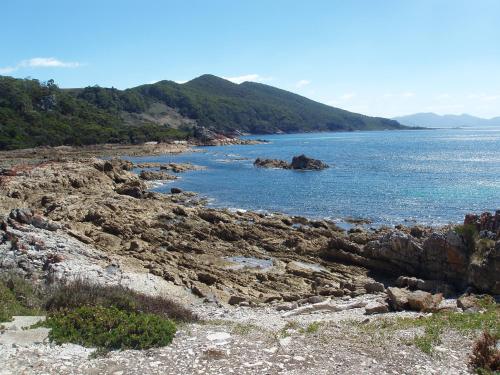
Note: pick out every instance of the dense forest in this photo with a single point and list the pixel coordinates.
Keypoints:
(34, 113)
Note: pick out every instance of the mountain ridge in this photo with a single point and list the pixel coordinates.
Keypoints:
(430, 119)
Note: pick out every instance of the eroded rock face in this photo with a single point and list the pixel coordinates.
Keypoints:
(443, 258)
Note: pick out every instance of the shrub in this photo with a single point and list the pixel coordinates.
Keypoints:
(485, 354)
(82, 293)
(18, 297)
(109, 328)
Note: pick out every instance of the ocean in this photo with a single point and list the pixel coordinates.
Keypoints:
(430, 177)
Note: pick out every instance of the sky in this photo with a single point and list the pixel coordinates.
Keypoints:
(377, 57)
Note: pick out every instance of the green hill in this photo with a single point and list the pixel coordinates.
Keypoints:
(256, 108)
(34, 113)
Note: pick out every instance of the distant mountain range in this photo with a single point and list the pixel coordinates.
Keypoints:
(432, 120)
(35, 114)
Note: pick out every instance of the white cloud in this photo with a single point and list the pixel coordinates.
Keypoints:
(48, 62)
(248, 78)
(40, 62)
(180, 82)
(408, 94)
(348, 96)
(7, 70)
(302, 83)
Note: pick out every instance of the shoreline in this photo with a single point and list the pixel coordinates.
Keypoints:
(101, 202)
(270, 289)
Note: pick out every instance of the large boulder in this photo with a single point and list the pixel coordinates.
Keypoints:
(404, 299)
(376, 307)
(304, 162)
(134, 188)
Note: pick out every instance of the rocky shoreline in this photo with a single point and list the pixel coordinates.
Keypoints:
(73, 218)
(105, 205)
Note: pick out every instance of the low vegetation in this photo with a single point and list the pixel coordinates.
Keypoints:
(485, 358)
(18, 297)
(105, 317)
(80, 293)
(435, 324)
(109, 328)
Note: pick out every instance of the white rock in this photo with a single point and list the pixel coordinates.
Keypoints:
(219, 336)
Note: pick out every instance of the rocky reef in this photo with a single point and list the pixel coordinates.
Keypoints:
(300, 162)
(229, 257)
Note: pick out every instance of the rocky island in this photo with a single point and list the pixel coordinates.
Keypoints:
(300, 162)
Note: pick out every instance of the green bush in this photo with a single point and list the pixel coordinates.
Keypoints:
(109, 328)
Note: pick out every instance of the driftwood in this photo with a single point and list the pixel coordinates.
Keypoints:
(326, 305)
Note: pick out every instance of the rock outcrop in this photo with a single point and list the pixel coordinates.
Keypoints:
(271, 163)
(154, 175)
(303, 162)
(300, 162)
(440, 256)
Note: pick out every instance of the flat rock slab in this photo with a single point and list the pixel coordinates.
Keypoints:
(18, 332)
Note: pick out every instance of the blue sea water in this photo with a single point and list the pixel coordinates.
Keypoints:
(389, 177)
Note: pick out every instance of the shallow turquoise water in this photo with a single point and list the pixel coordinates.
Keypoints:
(389, 177)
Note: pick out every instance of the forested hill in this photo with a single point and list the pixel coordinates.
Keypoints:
(34, 113)
(256, 108)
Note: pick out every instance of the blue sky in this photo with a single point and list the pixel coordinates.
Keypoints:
(378, 57)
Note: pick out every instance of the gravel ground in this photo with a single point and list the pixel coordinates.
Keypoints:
(256, 341)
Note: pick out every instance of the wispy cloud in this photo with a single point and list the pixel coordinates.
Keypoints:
(248, 77)
(484, 97)
(302, 83)
(40, 62)
(408, 94)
